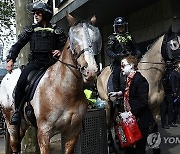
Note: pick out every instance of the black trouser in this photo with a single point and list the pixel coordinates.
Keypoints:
(140, 145)
(116, 76)
(176, 111)
(167, 109)
(22, 81)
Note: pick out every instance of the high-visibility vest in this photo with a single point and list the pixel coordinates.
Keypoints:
(88, 94)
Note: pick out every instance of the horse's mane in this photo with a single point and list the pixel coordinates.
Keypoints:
(109, 65)
(154, 49)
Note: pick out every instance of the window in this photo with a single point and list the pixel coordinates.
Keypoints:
(59, 2)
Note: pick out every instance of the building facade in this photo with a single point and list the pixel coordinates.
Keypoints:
(147, 19)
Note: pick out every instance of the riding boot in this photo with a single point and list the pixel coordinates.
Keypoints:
(16, 118)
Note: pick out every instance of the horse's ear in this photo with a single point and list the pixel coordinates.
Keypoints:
(169, 32)
(93, 20)
(71, 20)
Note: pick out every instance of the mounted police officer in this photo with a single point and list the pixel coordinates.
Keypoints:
(46, 44)
(120, 44)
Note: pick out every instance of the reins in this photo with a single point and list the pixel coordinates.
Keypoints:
(76, 57)
(153, 62)
(68, 65)
(161, 63)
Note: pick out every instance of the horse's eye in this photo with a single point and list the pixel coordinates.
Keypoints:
(174, 45)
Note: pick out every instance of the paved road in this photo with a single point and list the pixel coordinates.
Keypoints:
(170, 142)
(2, 144)
(55, 145)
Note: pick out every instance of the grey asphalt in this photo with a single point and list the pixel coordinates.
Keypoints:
(170, 142)
(2, 144)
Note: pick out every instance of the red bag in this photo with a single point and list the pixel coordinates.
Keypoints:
(128, 130)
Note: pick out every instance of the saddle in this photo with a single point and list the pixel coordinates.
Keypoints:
(33, 79)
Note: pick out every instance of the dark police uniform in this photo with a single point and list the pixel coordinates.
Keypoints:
(118, 47)
(167, 104)
(42, 42)
(175, 86)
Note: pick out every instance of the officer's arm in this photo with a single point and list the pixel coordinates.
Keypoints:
(23, 39)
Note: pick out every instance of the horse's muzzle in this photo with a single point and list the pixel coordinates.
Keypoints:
(89, 73)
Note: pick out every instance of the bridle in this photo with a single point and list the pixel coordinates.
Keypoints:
(76, 56)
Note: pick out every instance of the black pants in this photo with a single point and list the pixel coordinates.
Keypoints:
(116, 76)
(167, 110)
(140, 145)
(22, 81)
(176, 111)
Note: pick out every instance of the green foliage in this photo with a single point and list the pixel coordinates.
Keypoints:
(7, 22)
(7, 13)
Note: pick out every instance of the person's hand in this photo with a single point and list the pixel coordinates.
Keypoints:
(56, 53)
(9, 66)
(115, 94)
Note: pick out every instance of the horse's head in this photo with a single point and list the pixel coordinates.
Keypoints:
(85, 43)
(171, 46)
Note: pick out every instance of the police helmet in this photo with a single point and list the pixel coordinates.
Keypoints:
(41, 6)
(120, 21)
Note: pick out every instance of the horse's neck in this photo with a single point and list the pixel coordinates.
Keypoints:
(152, 62)
(64, 71)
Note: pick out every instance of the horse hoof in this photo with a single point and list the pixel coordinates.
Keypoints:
(112, 149)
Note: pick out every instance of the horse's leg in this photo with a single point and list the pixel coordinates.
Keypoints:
(110, 123)
(14, 131)
(15, 141)
(44, 139)
(71, 137)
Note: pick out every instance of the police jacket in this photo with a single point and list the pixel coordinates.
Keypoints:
(42, 42)
(121, 45)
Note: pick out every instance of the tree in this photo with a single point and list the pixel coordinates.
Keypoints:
(7, 17)
(7, 22)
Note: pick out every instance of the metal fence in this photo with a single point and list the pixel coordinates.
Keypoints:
(93, 137)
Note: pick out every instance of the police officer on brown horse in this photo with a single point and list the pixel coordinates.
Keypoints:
(46, 42)
(120, 44)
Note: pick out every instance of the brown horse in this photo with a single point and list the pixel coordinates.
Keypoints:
(152, 66)
(59, 102)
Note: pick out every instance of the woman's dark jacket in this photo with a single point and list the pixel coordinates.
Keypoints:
(138, 99)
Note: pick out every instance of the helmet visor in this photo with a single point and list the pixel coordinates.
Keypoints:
(86, 37)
